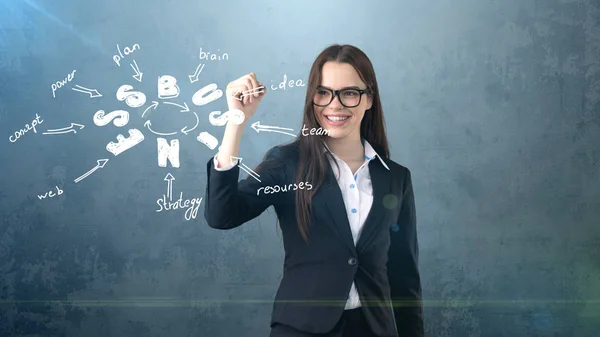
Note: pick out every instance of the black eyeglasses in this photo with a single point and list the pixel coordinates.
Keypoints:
(349, 98)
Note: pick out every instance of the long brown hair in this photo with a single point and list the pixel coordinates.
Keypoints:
(312, 165)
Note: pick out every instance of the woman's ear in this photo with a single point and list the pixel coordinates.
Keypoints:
(369, 102)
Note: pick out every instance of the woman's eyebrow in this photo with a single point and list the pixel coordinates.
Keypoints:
(349, 87)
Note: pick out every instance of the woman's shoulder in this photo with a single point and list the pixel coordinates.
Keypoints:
(283, 152)
(395, 166)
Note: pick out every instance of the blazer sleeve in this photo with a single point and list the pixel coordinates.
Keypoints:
(229, 203)
(403, 269)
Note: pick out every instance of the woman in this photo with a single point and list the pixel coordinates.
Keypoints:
(346, 211)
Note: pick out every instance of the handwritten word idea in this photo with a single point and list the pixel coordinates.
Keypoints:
(213, 57)
(60, 84)
(285, 188)
(192, 205)
(284, 84)
(127, 51)
(51, 194)
(18, 134)
(315, 131)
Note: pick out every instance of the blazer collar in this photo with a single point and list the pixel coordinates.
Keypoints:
(370, 153)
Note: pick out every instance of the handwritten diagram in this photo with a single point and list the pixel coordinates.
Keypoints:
(168, 99)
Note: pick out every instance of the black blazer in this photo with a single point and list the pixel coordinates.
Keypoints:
(318, 275)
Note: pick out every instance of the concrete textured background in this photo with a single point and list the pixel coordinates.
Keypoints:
(493, 105)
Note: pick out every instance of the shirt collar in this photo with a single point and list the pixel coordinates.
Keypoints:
(370, 153)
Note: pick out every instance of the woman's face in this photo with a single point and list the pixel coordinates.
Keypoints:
(346, 121)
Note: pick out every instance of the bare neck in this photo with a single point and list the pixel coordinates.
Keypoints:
(348, 149)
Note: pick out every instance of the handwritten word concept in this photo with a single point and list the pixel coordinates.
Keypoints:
(285, 188)
(284, 84)
(315, 131)
(60, 84)
(213, 56)
(51, 194)
(192, 205)
(18, 134)
(127, 51)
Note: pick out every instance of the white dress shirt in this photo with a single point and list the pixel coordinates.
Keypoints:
(357, 193)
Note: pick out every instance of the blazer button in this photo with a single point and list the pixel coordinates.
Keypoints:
(351, 261)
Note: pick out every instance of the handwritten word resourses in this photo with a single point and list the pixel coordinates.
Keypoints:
(285, 188)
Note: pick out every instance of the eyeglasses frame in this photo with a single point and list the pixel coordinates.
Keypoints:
(337, 93)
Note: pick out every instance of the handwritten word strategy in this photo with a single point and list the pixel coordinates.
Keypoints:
(285, 188)
(192, 205)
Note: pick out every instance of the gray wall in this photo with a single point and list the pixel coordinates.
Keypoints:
(493, 105)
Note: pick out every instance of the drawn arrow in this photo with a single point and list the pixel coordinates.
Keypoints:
(194, 77)
(63, 130)
(138, 74)
(185, 108)
(148, 124)
(169, 179)
(186, 130)
(153, 105)
(244, 167)
(256, 126)
(92, 92)
(101, 163)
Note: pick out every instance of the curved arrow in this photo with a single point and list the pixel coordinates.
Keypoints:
(147, 124)
(153, 105)
(186, 130)
(185, 108)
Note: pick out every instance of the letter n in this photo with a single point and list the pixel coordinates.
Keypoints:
(168, 151)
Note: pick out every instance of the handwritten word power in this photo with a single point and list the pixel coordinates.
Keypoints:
(51, 194)
(18, 134)
(127, 51)
(192, 205)
(213, 57)
(60, 84)
(285, 188)
(318, 132)
(236, 116)
(285, 83)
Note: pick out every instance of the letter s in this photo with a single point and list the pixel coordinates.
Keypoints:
(310, 186)
(134, 99)
(118, 117)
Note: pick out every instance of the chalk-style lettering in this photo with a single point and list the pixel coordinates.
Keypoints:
(50, 194)
(134, 99)
(60, 84)
(315, 131)
(166, 151)
(285, 188)
(18, 134)
(118, 117)
(127, 51)
(213, 57)
(284, 84)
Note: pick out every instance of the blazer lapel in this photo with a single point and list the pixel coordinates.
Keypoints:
(381, 182)
(337, 209)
